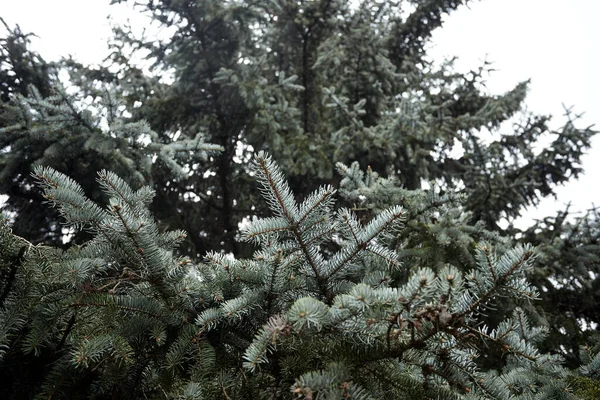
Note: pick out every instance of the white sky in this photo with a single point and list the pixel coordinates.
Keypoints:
(553, 42)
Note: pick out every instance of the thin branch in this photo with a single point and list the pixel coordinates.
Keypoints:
(13, 273)
(68, 329)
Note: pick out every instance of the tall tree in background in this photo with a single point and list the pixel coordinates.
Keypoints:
(314, 83)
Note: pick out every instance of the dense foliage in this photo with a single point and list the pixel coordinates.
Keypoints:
(370, 255)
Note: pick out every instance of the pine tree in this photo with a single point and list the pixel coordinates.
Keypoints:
(331, 295)
(315, 312)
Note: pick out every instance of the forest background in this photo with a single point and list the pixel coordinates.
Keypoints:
(553, 43)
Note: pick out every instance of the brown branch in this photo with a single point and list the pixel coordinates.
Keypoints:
(13, 273)
(126, 308)
(68, 329)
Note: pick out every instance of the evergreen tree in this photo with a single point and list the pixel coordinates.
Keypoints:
(316, 312)
(382, 293)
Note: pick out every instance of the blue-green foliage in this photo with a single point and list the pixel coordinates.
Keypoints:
(323, 280)
(101, 306)
(320, 311)
(366, 289)
(65, 125)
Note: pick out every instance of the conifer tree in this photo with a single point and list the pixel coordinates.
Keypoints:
(318, 295)
(316, 313)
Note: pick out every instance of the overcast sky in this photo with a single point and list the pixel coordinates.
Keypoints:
(553, 42)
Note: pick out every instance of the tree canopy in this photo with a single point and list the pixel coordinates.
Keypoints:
(292, 200)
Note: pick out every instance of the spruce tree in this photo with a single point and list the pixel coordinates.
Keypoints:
(381, 290)
(316, 313)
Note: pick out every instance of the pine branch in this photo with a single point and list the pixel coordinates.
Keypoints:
(283, 197)
(526, 256)
(18, 261)
(377, 226)
(68, 329)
